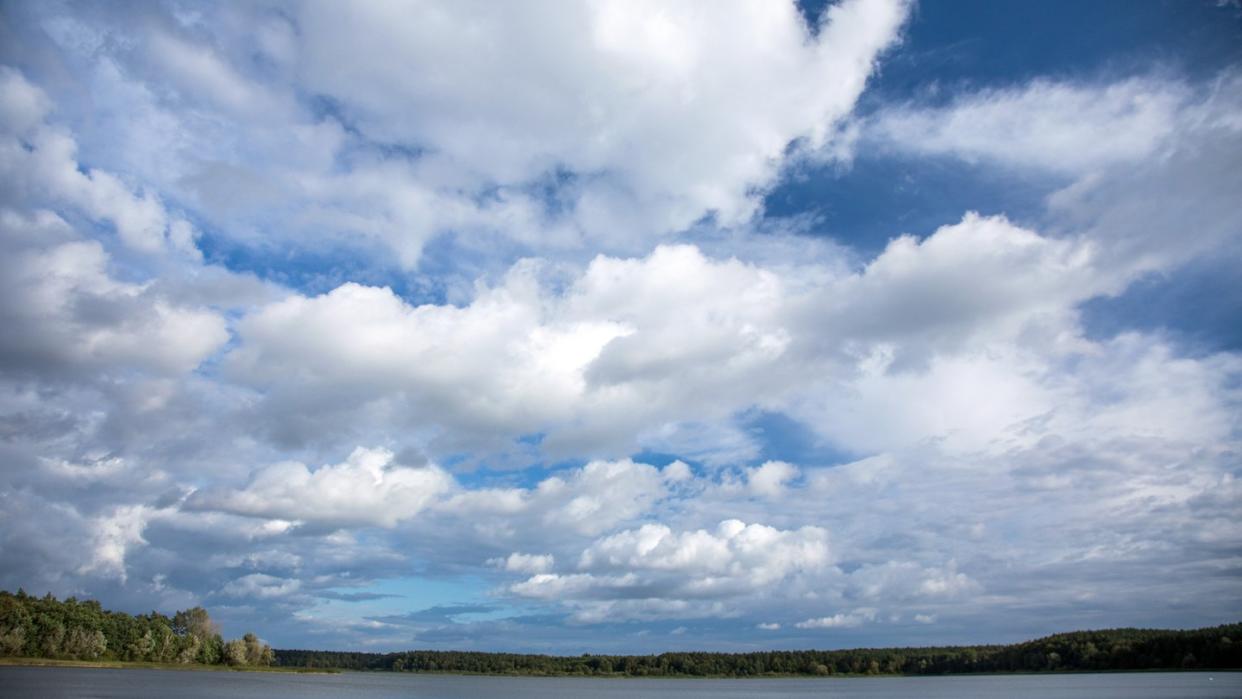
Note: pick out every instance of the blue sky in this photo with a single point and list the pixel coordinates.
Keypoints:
(611, 327)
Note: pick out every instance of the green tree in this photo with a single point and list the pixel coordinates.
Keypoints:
(235, 652)
(257, 653)
(194, 622)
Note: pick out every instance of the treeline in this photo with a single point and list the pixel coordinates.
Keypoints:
(45, 627)
(1114, 649)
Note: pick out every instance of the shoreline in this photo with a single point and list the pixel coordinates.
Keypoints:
(194, 667)
(139, 665)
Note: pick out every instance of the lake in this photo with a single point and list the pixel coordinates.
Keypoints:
(87, 683)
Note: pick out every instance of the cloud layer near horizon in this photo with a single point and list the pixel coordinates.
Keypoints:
(466, 327)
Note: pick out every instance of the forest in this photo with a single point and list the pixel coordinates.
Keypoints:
(45, 627)
(1108, 650)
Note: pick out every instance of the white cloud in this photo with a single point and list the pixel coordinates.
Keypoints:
(1009, 459)
(39, 161)
(549, 125)
(64, 308)
(631, 347)
(260, 586)
(670, 111)
(585, 501)
(113, 536)
(369, 488)
(23, 107)
(1062, 127)
(754, 552)
(858, 617)
(769, 479)
(200, 74)
(1148, 159)
(528, 563)
(650, 570)
(1176, 206)
(894, 581)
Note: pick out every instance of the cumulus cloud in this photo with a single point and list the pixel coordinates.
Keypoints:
(525, 563)
(549, 125)
(67, 311)
(635, 88)
(768, 480)
(759, 553)
(113, 535)
(24, 105)
(368, 488)
(1144, 160)
(961, 447)
(585, 501)
(66, 306)
(839, 620)
(608, 361)
(652, 569)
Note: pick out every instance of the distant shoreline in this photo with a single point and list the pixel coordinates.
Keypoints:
(1107, 650)
(198, 667)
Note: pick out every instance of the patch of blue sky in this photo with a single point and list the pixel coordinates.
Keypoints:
(660, 459)
(782, 438)
(400, 595)
(313, 270)
(520, 470)
(882, 196)
(983, 43)
(1199, 306)
(449, 269)
(954, 47)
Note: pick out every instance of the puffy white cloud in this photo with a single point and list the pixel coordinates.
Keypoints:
(1148, 158)
(66, 310)
(1009, 459)
(551, 125)
(653, 570)
(113, 535)
(611, 360)
(484, 363)
(23, 106)
(839, 620)
(756, 552)
(769, 479)
(525, 563)
(667, 110)
(369, 488)
(585, 501)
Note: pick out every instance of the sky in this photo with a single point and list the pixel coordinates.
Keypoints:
(624, 326)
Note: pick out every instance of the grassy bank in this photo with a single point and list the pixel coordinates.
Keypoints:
(121, 664)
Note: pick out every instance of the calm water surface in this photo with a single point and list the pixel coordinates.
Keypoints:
(83, 683)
